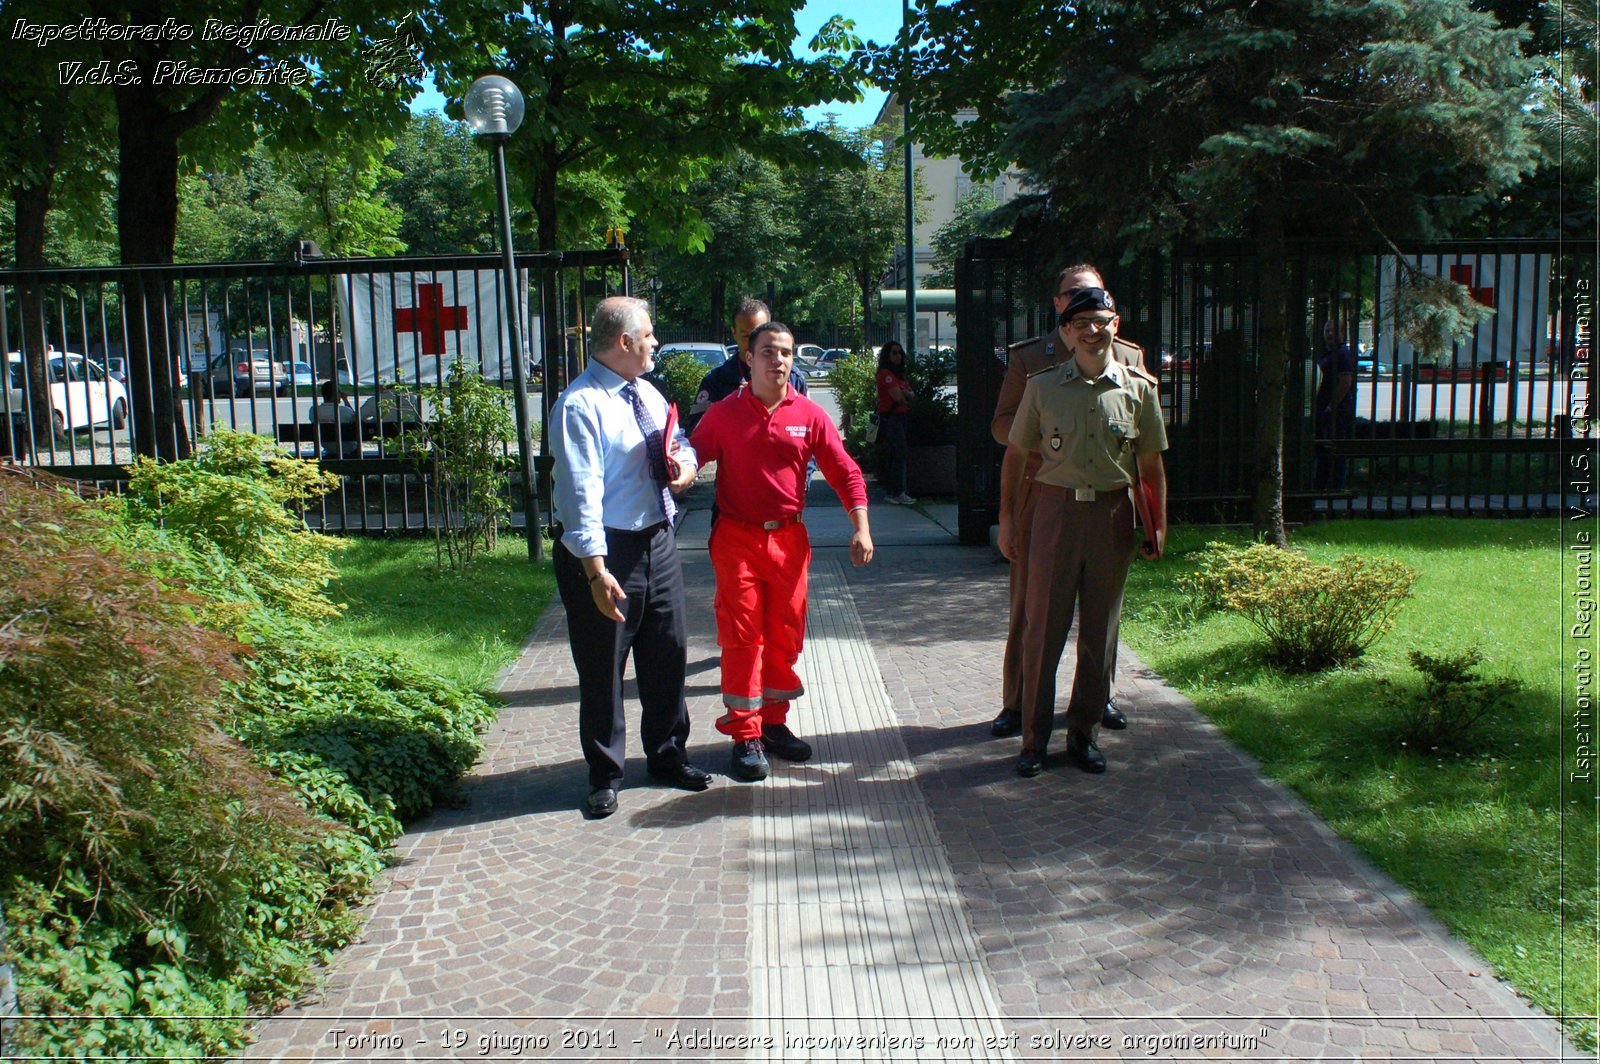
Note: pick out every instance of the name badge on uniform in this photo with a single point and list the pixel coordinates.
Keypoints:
(1055, 442)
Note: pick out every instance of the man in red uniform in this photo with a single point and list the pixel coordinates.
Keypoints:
(761, 438)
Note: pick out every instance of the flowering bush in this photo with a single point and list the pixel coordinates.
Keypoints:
(1314, 615)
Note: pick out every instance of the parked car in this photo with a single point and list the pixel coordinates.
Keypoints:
(709, 355)
(117, 366)
(832, 357)
(296, 375)
(809, 352)
(244, 372)
(809, 369)
(82, 394)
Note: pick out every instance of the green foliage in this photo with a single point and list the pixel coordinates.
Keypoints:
(231, 505)
(931, 413)
(154, 868)
(855, 389)
(1314, 615)
(972, 218)
(1432, 312)
(440, 180)
(679, 376)
(395, 734)
(1444, 713)
(462, 446)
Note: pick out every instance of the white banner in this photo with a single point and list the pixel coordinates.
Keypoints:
(1516, 286)
(410, 326)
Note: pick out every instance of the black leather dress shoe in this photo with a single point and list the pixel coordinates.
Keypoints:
(1085, 754)
(602, 802)
(1030, 765)
(681, 774)
(1007, 724)
(1113, 717)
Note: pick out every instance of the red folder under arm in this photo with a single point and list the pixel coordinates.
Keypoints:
(1144, 502)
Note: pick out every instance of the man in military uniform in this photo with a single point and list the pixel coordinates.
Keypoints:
(1096, 425)
(1027, 358)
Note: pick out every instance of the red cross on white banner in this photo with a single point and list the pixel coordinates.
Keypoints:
(1462, 275)
(430, 318)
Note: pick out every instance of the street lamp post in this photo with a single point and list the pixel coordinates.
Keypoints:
(493, 107)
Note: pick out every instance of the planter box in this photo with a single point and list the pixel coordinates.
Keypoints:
(931, 470)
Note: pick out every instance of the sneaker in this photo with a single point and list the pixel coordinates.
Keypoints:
(892, 500)
(781, 742)
(905, 500)
(749, 762)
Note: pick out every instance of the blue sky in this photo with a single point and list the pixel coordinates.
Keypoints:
(876, 20)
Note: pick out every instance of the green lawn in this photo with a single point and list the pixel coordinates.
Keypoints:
(1491, 842)
(466, 627)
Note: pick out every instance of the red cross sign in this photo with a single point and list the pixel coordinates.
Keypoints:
(1462, 275)
(430, 318)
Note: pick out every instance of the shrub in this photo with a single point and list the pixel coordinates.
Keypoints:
(231, 505)
(855, 388)
(396, 734)
(931, 414)
(1453, 699)
(679, 376)
(152, 867)
(1314, 615)
(463, 448)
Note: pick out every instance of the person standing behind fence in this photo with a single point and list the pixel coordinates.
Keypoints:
(616, 559)
(894, 405)
(337, 425)
(761, 438)
(1335, 403)
(1024, 360)
(1097, 427)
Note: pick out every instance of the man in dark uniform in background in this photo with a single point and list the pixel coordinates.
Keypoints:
(723, 381)
(1097, 426)
(1027, 358)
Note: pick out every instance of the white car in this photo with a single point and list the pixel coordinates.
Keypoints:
(709, 355)
(82, 394)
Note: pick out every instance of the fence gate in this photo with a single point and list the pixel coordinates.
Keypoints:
(251, 346)
(1480, 426)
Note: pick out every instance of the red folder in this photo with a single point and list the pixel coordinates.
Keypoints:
(1144, 503)
(669, 440)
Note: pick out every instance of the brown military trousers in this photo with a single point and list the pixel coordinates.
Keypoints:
(1078, 558)
(1011, 668)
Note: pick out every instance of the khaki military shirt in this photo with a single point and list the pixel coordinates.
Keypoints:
(1028, 357)
(1089, 432)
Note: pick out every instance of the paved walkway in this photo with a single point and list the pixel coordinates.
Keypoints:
(904, 895)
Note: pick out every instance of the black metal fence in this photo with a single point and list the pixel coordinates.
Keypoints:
(251, 346)
(1475, 427)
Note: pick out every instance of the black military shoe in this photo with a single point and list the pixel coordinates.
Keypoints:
(1030, 764)
(1113, 717)
(781, 742)
(681, 774)
(602, 802)
(1083, 752)
(749, 762)
(1007, 724)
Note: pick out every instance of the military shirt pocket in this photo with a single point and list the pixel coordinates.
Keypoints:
(1120, 416)
(1062, 433)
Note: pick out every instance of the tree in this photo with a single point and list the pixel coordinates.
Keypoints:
(972, 218)
(651, 96)
(1148, 121)
(441, 183)
(864, 208)
(218, 76)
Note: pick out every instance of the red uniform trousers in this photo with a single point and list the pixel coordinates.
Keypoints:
(761, 620)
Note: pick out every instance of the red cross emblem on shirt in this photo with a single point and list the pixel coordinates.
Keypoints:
(430, 318)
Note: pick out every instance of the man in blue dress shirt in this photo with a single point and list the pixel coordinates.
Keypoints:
(616, 561)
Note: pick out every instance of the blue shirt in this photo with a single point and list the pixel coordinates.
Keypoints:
(602, 469)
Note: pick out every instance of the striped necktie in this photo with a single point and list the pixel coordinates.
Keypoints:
(654, 446)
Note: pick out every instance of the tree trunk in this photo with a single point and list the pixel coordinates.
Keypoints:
(31, 204)
(147, 226)
(719, 299)
(1271, 370)
(864, 280)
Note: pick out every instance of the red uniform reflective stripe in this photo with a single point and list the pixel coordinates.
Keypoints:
(761, 621)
